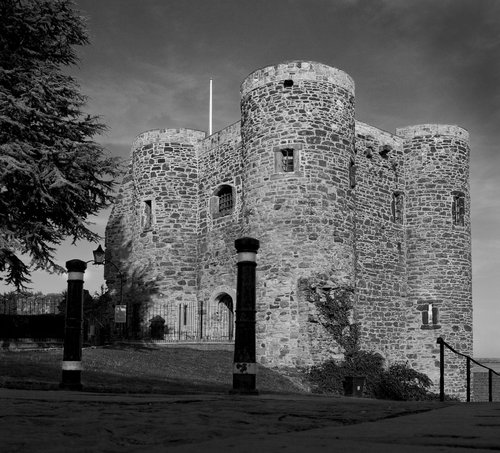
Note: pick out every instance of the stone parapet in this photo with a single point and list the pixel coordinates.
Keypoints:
(297, 70)
(422, 130)
(187, 136)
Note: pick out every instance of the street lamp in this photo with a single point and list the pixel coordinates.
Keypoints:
(100, 259)
(99, 255)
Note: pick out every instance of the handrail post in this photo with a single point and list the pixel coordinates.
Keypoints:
(490, 385)
(440, 342)
(468, 379)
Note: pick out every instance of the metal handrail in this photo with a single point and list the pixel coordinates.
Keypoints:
(442, 344)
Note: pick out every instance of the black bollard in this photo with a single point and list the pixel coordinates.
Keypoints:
(244, 344)
(72, 356)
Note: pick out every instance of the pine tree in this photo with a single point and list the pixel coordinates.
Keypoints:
(52, 174)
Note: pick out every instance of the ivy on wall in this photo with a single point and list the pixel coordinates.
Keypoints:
(335, 306)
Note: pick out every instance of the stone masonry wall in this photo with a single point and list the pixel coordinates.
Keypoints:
(439, 251)
(360, 210)
(302, 218)
(380, 243)
(161, 226)
(219, 164)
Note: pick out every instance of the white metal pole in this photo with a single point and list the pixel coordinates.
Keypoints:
(210, 111)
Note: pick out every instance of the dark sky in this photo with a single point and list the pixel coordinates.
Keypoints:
(419, 61)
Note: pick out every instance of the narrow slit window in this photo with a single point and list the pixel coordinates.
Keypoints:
(352, 174)
(397, 207)
(147, 218)
(287, 163)
(458, 208)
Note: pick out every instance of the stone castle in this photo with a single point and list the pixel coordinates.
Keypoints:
(339, 207)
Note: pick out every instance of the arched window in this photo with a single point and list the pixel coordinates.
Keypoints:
(222, 202)
(225, 195)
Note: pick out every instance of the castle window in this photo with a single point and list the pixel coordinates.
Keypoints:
(286, 164)
(288, 83)
(458, 208)
(384, 151)
(225, 199)
(430, 317)
(397, 207)
(352, 174)
(287, 160)
(222, 201)
(147, 215)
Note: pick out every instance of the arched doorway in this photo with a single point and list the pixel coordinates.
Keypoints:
(226, 301)
(220, 318)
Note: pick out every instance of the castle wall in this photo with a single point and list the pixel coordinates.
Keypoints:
(335, 205)
(219, 164)
(161, 224)
(304, 217)
(380, 243)
(439, 251)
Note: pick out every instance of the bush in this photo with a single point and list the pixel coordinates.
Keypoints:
(402, 383)
(399, 382)
(328, 377)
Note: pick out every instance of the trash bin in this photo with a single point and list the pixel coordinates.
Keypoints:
(157, 328)
(354, 385)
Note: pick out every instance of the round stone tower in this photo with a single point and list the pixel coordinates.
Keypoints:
(162, 265)
(438, 247)
(297, 131)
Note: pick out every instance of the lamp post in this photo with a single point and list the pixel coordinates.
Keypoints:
(100, 259)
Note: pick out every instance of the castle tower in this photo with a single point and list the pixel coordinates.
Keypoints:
(162, 223)
(437, 209)
(297, 133)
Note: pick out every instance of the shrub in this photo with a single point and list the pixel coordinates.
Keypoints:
(402, 383)
(399, 382)
(328, 376)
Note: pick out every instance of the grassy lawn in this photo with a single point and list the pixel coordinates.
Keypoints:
(135, 370)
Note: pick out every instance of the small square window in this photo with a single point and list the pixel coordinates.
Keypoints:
(286, 159)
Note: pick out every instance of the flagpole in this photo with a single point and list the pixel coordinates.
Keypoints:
(210, 111)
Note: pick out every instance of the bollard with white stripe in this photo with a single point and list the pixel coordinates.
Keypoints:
(244, 369)
(72, 355)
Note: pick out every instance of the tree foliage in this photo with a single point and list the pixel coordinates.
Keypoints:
(52, 174)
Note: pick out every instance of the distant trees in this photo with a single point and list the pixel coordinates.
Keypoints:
(52, 175)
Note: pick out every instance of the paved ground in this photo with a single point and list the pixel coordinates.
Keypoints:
(60, 421)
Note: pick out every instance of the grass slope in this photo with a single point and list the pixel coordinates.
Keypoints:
(136, 370)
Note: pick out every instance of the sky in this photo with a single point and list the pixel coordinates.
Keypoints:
(413, 61)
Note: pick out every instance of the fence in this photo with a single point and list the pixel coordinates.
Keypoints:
(442, 345)
(36, 317)
(171, 322)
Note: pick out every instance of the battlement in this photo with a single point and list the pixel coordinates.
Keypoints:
(182, 135)
(297, 70)
(422, 130)
(231, 133)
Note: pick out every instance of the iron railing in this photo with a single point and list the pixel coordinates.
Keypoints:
(442, 344)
